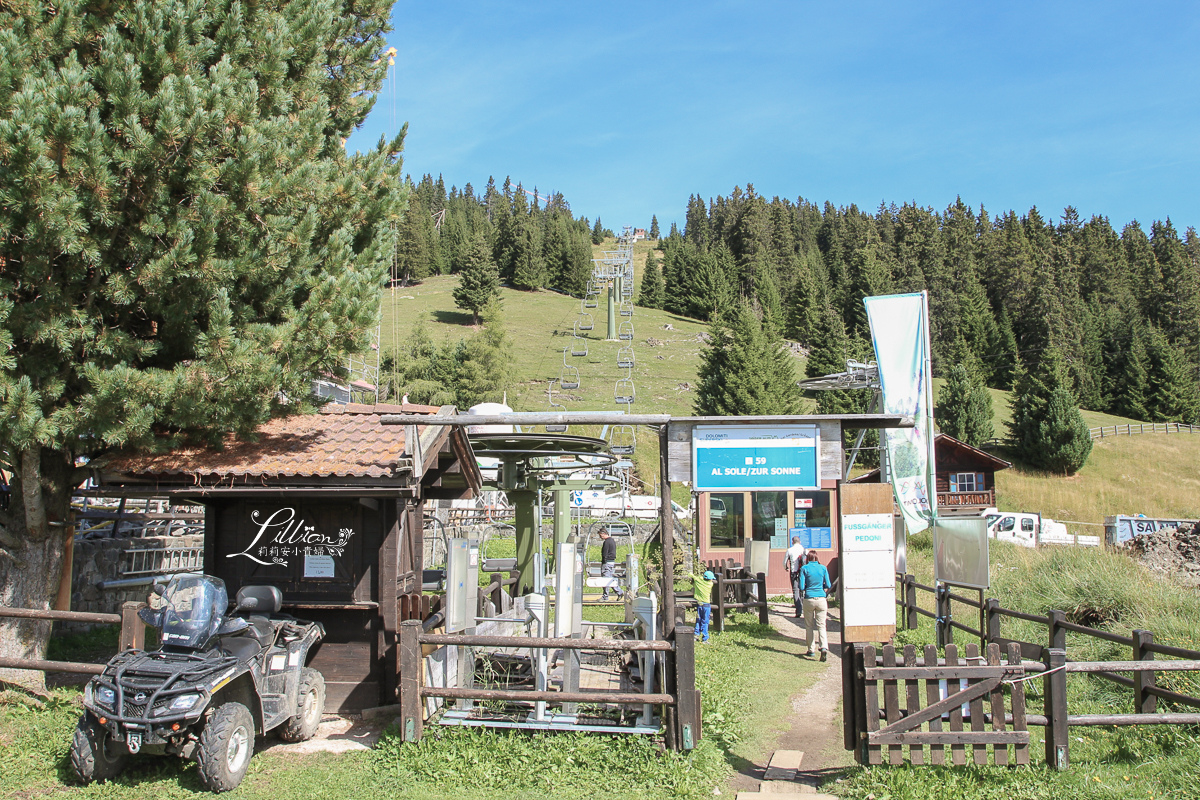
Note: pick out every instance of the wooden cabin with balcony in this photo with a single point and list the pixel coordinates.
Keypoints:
(966, 477)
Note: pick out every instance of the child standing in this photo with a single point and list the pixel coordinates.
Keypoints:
(702, 584)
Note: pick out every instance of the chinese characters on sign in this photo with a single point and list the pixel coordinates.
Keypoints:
(285, 534)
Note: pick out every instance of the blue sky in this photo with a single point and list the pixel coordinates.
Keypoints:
(629, 108)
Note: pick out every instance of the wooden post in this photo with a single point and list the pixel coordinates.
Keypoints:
(1058, 737)
(1143, 701)
(992, 620)
(411, 710)
(910, 602)
(761, 579)
(666, 523)
(133, 630)
(670, 714)
(1020, 751)
(718, 604)
(687, 705)
(933, 694)
(851, 700)
(1057, 634)
(945, 632)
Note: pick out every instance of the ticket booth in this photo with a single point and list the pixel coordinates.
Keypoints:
(759, 481)
(328, 508)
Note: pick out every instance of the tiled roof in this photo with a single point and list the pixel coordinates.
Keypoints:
(342, 440)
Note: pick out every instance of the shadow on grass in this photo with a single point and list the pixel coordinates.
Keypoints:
(453, 317)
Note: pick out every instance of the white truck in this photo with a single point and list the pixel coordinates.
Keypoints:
(1030, 530)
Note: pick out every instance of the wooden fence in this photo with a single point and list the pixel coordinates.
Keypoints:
(1136, 428)
(133, 635)
(731, 592)
(1147, 658)
(680, 698)
(889, 690)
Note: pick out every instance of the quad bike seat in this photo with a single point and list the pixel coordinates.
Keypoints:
(270, 601)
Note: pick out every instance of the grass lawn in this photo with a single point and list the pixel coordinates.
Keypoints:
(746, 676)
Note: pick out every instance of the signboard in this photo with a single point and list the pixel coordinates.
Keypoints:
(960, 552)
(753, 458)
(868, 573)
(813, 538)
(1128, 527)
(779, 539)
(318, 567)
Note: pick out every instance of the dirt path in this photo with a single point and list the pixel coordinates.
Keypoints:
(814, 722)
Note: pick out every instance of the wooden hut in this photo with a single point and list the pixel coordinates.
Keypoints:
(328, 507)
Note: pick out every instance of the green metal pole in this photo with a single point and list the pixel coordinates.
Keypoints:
(525, 503)
(613, 289)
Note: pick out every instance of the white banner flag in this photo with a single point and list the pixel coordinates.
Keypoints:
(898, 330)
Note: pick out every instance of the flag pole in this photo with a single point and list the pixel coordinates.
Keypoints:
(931, 477)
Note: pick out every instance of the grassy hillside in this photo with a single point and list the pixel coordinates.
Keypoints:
(1155, 474)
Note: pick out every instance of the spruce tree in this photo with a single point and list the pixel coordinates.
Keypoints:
(1047, 430)
(654, 227)
(478, 279)
(964, 407)
(745, 370)
(186, 242)
(1175, 393)
(597, 232)
(650, 294)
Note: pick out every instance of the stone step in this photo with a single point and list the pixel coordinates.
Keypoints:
(807, 792)
(783, 765)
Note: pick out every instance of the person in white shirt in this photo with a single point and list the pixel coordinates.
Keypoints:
(793, 560)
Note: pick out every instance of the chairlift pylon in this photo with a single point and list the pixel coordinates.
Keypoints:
(569, 378)
(625, 357)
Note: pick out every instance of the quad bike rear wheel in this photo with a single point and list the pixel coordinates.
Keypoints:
(309, 708)
(226, 744)
(95, 755)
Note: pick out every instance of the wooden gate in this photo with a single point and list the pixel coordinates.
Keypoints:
(950, 712)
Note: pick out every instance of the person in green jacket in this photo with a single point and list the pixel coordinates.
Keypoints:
(702, 584)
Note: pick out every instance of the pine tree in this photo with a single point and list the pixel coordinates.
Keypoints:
(485, 361)
(478, 280)
(597, 232)
(186, 240)
(650, 294)
(745, 370)
(654, 227)
(1047, 430)
(1175, 393)
(964, 407)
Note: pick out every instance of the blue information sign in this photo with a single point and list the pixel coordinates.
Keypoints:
(733, 457)
(819, 538)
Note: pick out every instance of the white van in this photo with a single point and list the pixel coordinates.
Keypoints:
(1030, 530)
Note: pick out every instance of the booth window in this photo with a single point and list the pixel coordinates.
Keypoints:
(768, 507)
(726, 520)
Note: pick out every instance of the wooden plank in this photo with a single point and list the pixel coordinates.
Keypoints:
(831, 463)
(409, 690)
(869, 633)
(687, 713)
(932, 696)
(956, 739)
(997, 703)
(1020, 723)
(977, 722)
(912, 696)
(891, 705)
(962, 671)
(958, 754)
(874, 754)
(954, 699)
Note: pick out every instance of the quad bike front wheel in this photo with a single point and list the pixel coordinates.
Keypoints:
(95, 755)
(309, 708)
(226, 744)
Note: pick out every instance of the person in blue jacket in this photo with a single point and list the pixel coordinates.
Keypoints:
(815, 586)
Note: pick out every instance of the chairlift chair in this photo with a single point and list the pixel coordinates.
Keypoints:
(579, 346)
(586, 321)
(624, 439)
(624, 392)
(626, 308)
(625, 331)
(569, 379)
(555, 407)
(625, 357)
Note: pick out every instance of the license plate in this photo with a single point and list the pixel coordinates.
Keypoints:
(134, 740)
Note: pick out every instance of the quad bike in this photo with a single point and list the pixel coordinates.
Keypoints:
(216, 681)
